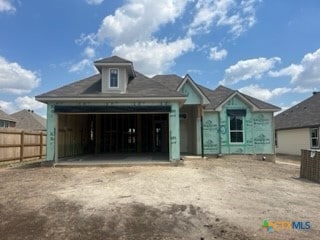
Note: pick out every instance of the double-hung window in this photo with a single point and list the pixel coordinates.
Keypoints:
(236, 126)
(314, 135)
(114, 78)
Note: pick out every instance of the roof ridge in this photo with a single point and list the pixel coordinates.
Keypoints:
(112, 58)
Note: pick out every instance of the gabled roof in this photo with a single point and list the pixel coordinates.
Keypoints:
(188, 79)
(6, 117)
(29, 120)
(90, 88)
(218, 96)
(304, 114)
(113, 59)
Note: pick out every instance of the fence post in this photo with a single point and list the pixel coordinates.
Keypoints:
(21, 146)
(41, 145)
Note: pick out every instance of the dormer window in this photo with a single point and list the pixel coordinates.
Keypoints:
(114, 78)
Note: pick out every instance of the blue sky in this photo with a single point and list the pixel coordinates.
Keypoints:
(267, 49)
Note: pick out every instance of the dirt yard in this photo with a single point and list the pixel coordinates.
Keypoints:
(202, 199)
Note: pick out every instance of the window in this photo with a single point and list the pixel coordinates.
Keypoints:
(314, 134)
(114, 83)
(236, 129)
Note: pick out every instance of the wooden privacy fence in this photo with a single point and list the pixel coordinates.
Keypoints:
(20, 145)
(310, 165)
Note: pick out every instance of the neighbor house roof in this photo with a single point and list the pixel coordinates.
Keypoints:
(29, 120)
(6, 117)
(304, 114)
(139, 87)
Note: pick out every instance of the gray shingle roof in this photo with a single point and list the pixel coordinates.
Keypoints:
(260, 104)
(139, 86)
(6, 117)
(29, 120)
(171, 81)
(113, 59)
(304, 114)
(222, 93)
(216, 96)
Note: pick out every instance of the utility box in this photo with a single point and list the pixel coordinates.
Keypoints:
(310, 165)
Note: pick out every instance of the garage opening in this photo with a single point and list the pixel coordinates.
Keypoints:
(81, 134)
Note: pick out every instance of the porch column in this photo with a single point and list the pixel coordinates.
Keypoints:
(198, 129)
(174, 133)
(52, 134)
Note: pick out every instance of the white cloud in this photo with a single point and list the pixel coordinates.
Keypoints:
(130, 31)
(307, 73)
(300, 89)
(87, 38)
(216, 54)
(15, 79)
(238, 16)
(89, 52)
(310, 73)
(292, 70)
(263, 93)
(247, 69)
(6, 6)
(154, 57)
(138, 19)
(94, 2)
(81, 65)
(7, 107)
(27, 102)
(24, 102)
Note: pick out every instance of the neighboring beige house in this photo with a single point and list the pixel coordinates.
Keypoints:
(6, 121)
(298, 127)
(29, 120)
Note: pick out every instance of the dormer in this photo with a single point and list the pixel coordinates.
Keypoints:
(115, 74)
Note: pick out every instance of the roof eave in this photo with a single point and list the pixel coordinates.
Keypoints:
(298, 127)
(129, 66)
(103, 99)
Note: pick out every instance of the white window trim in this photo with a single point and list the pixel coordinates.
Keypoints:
(314, 138)
(110, 78)
(243, 134)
